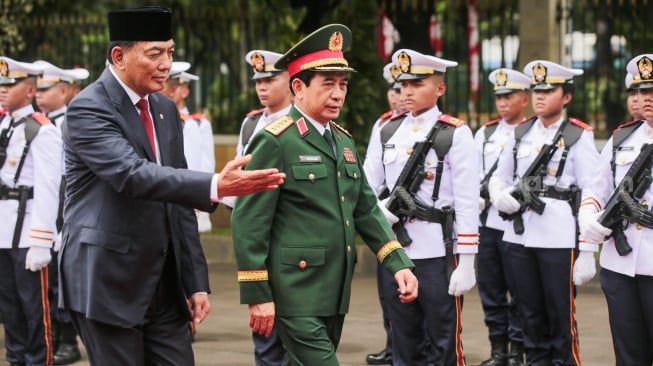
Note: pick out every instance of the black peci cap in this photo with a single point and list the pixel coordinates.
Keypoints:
(150, 23)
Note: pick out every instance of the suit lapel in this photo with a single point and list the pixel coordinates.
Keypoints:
(162, 123)
(132, 124)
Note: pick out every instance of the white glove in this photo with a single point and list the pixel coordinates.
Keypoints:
(392, 219)
(463, 277)
(591, 230)
(505, 202)
(584, 268)
(57, 243)
(481, 204)
(37, 258)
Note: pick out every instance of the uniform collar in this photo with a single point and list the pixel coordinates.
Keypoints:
(22, 112)
(429, 116)
(318, 126)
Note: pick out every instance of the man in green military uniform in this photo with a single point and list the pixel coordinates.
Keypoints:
(295, 247)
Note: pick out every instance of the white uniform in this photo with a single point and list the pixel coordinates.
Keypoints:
(41, 170)
(458, 189)
(207, 144)
(192, 142)
(58, 117)
(638, 262)
(488, 154)
(578, 170)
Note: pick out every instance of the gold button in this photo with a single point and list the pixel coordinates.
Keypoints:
(638, 227)
(411, 220)
(429, 175)
(347, 223)
(415, 129)
(644, 202)
(409, 151)
(342, 198)
(302, 264)
(428, 163)
(311, 177)
(539, 148)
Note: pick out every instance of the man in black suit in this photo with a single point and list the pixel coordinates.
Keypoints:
(131, 254)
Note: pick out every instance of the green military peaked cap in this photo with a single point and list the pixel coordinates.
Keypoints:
(321, 50)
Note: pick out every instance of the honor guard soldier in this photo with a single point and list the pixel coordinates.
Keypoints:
(53, 89)
(536, 188)
(273, 94)
(495, 279)
(192, 135)
(390, 71)
(30, 160)
(206, 143)
(424, 173)
(623, 176)
(295, 247)
(632, 101)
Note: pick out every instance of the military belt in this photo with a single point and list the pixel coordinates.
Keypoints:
(8, 193)
(556, 193)
(427, 213)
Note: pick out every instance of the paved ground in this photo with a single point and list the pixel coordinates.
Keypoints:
(224, 339)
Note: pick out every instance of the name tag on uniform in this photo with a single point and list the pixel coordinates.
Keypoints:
(626, 148)
(388, 146)
(310, 158)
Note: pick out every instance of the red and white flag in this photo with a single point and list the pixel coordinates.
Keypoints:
(435, 35)
(387, 36)
(474, 46)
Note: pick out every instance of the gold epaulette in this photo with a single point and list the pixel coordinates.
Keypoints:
(40, 118)
(341, 129)
(580, 124)
(253, 275)
(492, 122)
(184, 116)
(277, 127)
(451, 120)
(626, 124)
(255, 112)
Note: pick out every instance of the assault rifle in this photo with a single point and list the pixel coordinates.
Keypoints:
(623, 206)
(401, 201)
(485, 192)
(527, 190)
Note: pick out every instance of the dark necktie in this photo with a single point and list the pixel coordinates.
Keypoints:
(329, 139)
(147, 123)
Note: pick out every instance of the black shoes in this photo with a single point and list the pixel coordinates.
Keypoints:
(67, 354)
(381, 358)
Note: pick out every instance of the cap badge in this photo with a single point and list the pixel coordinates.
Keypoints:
(645, 67)
(4, 68)
(404, 62)
(335, 42)
(258, 62)
(395, 71)
(501, 78)
(539, 73)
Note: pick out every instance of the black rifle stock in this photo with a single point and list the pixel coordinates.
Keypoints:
(401, 200)
(527, 190)
(623, 206)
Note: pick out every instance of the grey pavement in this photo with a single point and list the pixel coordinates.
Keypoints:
(224, 337)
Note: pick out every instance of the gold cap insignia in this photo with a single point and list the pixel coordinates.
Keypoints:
(4, 68)
(258, 62)
(335, 42)
(501, 78)
(539, 73)
(404, 62)
(395, 71)
(645, 67)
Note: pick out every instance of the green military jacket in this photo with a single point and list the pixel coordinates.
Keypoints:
(295, 245)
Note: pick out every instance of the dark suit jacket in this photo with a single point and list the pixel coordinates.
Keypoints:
(122, 211)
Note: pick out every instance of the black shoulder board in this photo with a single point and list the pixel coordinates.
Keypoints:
(623, 131)
(391, 127)
(248, 127)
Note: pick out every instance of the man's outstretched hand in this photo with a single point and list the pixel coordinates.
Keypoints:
(234, 181)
